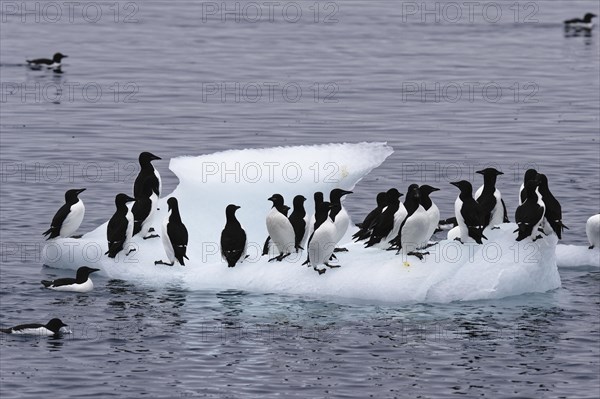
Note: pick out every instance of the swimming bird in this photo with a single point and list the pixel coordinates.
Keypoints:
(120, 227)
(577, 23)
(321, 243)
(383, 227)
(413, 229)
(174, 236)
(81, 283)
(553, 216)
(592, 230)
(365, 226)
(298, 221)
(68, 218)
(233, 238)
(339, 214)
(468, 213)
(433, 212)
(54, 63)
(530, 174)
(490, 199)
(530, 213)
(51, 328)
(280, 228)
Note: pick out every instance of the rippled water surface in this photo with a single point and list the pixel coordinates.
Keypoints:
(504, 87)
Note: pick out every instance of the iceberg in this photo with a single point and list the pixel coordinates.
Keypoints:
(207, 184)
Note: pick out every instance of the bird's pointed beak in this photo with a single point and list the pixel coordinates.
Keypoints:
(154, 157)
(455, 183)
(270, 198)
(434, 189)
(479, 171)
(348, 192)
(80, 190)
(129, 199)
(237, 207)
(93, 270)
(500, 173)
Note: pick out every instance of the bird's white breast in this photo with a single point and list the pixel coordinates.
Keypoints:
(73, 219)
(322, 243)
(281, 231)
(87, 286)
(592, 230)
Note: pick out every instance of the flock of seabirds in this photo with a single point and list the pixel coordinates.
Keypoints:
(394, 225)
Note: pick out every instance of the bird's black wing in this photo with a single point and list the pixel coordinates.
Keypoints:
(486, 204)
(44, 61)
(505, 217)
(60, 281)
(140, 209)
(57, 221)
(178, 235)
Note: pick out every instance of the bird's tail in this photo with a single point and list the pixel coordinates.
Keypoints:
(46, 283)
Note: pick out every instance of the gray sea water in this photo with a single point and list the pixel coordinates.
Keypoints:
(451, 86)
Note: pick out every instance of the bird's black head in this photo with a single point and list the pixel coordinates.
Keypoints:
(299, 201)
(382, 199)
(413, 191)
(318, 197)
(83, 272)
(464, 186)
(58, 57)
(55, 325)
(542, 180)
(426, 189)
(230, 210)
(530, 174)
(277, 200)
(71, 195)
(392, 194)
(336, 194)
(147, 157)
(588, 17)
(489, 172)
(531, 185)
(122, 199)
(172, 203)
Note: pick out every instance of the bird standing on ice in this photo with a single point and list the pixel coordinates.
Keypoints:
(338, 214)
(414, 227)
(81, 283)
(233, 238)
(530, 174)
(468, 213)
(553, 216)
(490, 199)
(143, 210)
(174, 235)
(592, 230)
(298, 221)
(365, 226)
(384, 227)
(148, 175)
(530, 214)
(433, 212)
(321, 243)
(68, 218)
(120, 227)
(280, 228)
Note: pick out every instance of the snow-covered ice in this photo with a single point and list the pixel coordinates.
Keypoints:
(207, 184)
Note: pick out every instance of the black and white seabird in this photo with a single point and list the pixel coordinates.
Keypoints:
(68, 218)
(490, 199)
(148, 175)
(54, 63)
(530, 214)
(143, 210)
(553, 215)
(577, 23)
(53, 327)
(174, 235)
(81, 283)
(365, 227)
(267, 246)
(592, 230)
(413, 229)
(280, 228)
(433, 212)
(383, 226)
(339, 214)
(318, 198)
(321, 243)
(298, 221)
(233, 238)
(120, 227)
(530, 174)
(468, 213)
